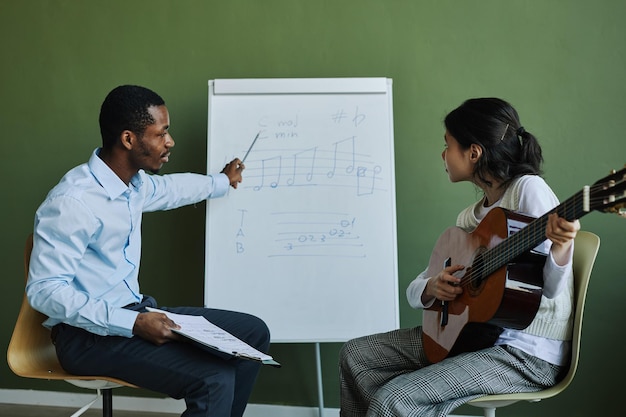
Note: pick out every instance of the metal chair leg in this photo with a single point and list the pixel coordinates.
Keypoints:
(107, 402)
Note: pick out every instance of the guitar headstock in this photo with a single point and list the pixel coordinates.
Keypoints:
(609, 193)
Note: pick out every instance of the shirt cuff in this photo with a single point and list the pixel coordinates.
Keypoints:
(122, 322)
(220, 185)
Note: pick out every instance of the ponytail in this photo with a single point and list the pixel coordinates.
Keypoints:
(531, 154)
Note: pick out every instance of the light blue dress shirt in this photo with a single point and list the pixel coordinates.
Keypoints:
(87, 242)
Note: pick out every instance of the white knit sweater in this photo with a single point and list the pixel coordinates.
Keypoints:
(554, 319)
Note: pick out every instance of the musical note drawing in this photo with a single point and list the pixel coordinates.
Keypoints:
(318, 167)
(302, 159)
(364, 185)
(352, 153)
(271, 168)
(287, 155)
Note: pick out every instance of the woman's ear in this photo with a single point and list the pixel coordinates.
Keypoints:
(475, 152)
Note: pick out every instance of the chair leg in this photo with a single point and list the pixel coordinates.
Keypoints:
(86, 406)
(107, 402)
(489, 412)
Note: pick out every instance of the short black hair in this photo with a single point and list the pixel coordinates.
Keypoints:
(126, 108)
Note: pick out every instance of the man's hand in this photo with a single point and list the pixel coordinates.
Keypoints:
(233, 170)
(155, 328)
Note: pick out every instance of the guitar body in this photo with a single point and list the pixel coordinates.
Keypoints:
(508, 297)
(503, 277)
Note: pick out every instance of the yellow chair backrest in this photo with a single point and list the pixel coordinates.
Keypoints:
(31, 353)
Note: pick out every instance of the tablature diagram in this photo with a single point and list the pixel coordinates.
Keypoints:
(316, 234)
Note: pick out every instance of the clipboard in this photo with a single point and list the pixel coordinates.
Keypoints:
(200, 330)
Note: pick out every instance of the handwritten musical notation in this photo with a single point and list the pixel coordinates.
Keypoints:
(337, 165)
(316, 234)
(326, 164)
(307, 234)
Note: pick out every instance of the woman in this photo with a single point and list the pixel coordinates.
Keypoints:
(389, 374)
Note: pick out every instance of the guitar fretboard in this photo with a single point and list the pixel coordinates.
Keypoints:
(530, 236)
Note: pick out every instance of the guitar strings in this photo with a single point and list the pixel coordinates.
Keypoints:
(489, 263)
(529, 234)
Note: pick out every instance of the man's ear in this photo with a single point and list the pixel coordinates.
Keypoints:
(127, 138)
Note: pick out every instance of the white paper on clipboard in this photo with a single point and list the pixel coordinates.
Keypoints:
(201, 330)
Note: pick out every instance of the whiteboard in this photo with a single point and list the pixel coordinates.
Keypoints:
(307, 241)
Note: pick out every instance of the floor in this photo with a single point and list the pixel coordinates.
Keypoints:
(10, 410)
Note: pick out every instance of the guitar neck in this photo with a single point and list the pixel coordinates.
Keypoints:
(534, 233)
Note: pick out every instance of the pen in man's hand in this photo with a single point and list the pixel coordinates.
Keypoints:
(250, 148)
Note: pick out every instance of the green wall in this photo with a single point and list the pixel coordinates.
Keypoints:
(561, 63)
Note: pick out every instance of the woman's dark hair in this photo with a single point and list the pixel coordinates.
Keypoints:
(509, 151)
(126, 108)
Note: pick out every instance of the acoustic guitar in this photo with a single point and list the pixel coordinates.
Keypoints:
(504, 282)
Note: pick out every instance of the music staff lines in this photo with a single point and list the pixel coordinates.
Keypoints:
(338, 165)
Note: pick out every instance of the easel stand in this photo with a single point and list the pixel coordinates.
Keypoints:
(320, 391)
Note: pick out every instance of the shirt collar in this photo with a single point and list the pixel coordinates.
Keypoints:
(108, 179)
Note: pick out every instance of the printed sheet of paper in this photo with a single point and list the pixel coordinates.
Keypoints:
(203, 331)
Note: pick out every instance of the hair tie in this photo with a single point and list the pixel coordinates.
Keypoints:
(520, 133)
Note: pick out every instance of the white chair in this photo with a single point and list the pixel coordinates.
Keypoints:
(586, 247)
(31, 354)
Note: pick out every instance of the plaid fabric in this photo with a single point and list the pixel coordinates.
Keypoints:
(388, 375)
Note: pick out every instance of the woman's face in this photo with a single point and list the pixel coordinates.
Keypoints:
(457, 160)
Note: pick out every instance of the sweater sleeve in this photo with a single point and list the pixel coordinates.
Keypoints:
(536, 199)
(415, 290)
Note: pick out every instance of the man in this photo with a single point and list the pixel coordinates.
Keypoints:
(85, 264)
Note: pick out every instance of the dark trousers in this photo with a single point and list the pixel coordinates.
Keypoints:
(212, 385)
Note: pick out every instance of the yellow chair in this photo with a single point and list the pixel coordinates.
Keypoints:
(586, 247)
(31, 353)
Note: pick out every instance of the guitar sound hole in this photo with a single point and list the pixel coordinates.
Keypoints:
(476, 273)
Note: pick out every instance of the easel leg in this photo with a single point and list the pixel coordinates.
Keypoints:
(320, 392)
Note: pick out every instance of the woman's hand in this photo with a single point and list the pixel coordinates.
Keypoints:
(444, 286)
(562, 233)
